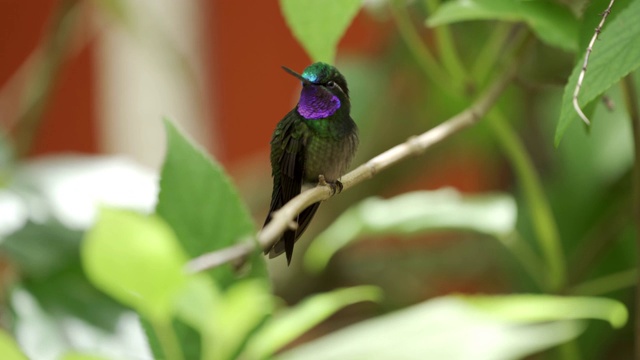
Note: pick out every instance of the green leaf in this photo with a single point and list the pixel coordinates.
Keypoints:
(9, 349)
(202, 206)
(48, 256)
(289, 325)
(137, 260)
(7, 159)
(319, 24)
(42, 249)
(539, 308)
(116, 9)
(412, 213)
(81, 356)
(615, 55)
(245, 306)
(551, 22)
(225, 321)
(452, 327)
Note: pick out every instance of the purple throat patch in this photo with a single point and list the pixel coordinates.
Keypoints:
(317, 103)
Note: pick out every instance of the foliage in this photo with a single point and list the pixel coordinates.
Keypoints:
(618, 54)
(319, 24)
(127, 276)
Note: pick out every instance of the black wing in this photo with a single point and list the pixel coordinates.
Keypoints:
(287, 161)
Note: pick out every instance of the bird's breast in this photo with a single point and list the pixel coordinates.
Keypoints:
(329, 156)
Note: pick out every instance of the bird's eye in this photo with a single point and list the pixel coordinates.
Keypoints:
(331, 83)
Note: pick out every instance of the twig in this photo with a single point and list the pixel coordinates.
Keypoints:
(54, 51)
(414, 146)
(586, 61)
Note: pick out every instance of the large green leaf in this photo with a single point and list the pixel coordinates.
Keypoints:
(552, 22)
(456, 327)
(137, 260)
(319, 24)
(9, 349)
(202, 206)
(48, 257)
(615, 55)
(294, 322)
(410, 213)
(225, 321)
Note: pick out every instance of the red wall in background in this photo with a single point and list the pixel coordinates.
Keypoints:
(250, 93)
(69, 118)
(249, 43)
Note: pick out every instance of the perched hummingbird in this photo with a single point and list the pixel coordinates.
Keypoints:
(318, 137)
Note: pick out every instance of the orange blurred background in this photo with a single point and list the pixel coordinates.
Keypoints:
(242, 47)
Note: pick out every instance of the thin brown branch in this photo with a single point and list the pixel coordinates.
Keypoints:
(414, 146)
(576, 92)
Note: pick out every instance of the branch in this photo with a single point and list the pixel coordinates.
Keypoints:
(40, 85)
(282, 219)
(586, 61)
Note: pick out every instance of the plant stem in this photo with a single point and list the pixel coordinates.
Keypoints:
(41, 82)
(488, 56)
(542, 217)
(421, 53)
(168, 339)
(606, 284)
(527, 257)
(447, 50)
(631, 102)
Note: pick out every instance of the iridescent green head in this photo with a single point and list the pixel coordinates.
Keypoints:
(324, 91)
(322, 74)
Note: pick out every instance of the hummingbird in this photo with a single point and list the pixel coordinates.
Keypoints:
(315, 140)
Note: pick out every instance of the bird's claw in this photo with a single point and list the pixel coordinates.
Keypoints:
(336, 186)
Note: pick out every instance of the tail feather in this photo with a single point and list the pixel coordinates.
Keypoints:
(286, 242)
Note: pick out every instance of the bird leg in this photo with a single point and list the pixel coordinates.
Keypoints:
(336, 186)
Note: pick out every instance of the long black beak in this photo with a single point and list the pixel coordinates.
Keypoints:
(291, 72)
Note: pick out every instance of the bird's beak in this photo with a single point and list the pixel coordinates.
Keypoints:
(291, 72)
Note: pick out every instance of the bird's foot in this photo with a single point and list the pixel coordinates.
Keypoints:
(336, 186)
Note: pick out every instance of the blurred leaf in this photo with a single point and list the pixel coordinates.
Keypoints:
(80, 356)
(616, 54)
(201, 205)
(9, 349)
(225, 322)
(137, 260)
(456, 327)
(196, 303)
(539, 308)
(289, 325)
(6, 159)
(411, 213)
(69, 292)
(245, 306)
(41, 250)
(553, 23)
(115, 8)
(319, 24)
(48, 258)
(47, 333)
